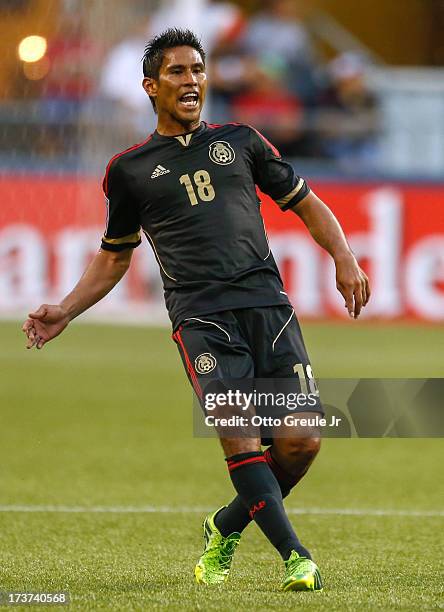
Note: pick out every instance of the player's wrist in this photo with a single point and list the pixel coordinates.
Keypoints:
(68, 311)
(343, 256)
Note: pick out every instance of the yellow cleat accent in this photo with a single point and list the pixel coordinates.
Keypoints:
(301, 574)
(214, 565)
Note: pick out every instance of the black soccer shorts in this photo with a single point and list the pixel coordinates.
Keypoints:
(262, 344)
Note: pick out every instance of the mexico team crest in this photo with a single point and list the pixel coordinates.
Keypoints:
(205, 363)
(222, 153)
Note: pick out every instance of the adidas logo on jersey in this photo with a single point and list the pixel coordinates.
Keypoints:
(158, 171)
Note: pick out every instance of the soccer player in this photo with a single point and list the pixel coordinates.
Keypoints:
(191, 188)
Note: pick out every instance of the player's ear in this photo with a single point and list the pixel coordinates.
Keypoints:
(150, 86)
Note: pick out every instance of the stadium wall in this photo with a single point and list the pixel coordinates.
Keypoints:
(51, 226)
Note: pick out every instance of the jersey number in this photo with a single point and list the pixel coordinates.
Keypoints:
(298, 369)
(205, 189)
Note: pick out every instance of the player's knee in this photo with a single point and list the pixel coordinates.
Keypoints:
(302, 450)
(236, 446)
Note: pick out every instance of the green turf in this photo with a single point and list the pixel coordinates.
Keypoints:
(102, 417)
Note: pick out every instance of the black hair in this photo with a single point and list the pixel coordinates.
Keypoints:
(154, 51)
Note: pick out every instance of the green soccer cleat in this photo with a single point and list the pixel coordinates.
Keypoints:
(214, 565)
(301, 574)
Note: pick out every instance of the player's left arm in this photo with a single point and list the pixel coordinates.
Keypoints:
(277, 178)
(351, 280)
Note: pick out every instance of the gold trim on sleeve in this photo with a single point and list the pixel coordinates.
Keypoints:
(293, 192)
(131, 238)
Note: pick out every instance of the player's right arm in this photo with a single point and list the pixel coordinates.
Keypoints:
(102, 274)
(122, 235)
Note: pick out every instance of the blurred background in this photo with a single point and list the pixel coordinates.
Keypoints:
(353, 98)
(352, 93)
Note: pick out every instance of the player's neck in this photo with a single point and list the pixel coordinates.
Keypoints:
(168, 126)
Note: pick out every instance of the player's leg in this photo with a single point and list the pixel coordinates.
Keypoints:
(212, 350)
(261, 326)
(292, 452)
(289, 461)
(291, 458)
(260, 493)
(251, 476)
(294, 447)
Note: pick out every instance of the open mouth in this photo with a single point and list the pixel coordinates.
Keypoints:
(189, 100)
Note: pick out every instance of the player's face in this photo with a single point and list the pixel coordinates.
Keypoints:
(181, 87)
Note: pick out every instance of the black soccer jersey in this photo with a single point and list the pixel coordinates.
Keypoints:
(194, 198)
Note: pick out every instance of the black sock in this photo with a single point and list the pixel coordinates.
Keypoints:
(259, 492)
(286, 481)
(235, 516)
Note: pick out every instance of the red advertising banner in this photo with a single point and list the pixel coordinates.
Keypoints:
(50, 227)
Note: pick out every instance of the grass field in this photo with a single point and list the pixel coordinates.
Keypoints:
(98, 424)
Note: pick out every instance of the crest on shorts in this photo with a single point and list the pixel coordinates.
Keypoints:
(205, 363)
(222, 153)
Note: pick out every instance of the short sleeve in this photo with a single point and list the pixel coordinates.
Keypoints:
(122, 229)
(273, 175)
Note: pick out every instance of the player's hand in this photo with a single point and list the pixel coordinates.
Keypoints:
(352, 283)
(44, 324)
